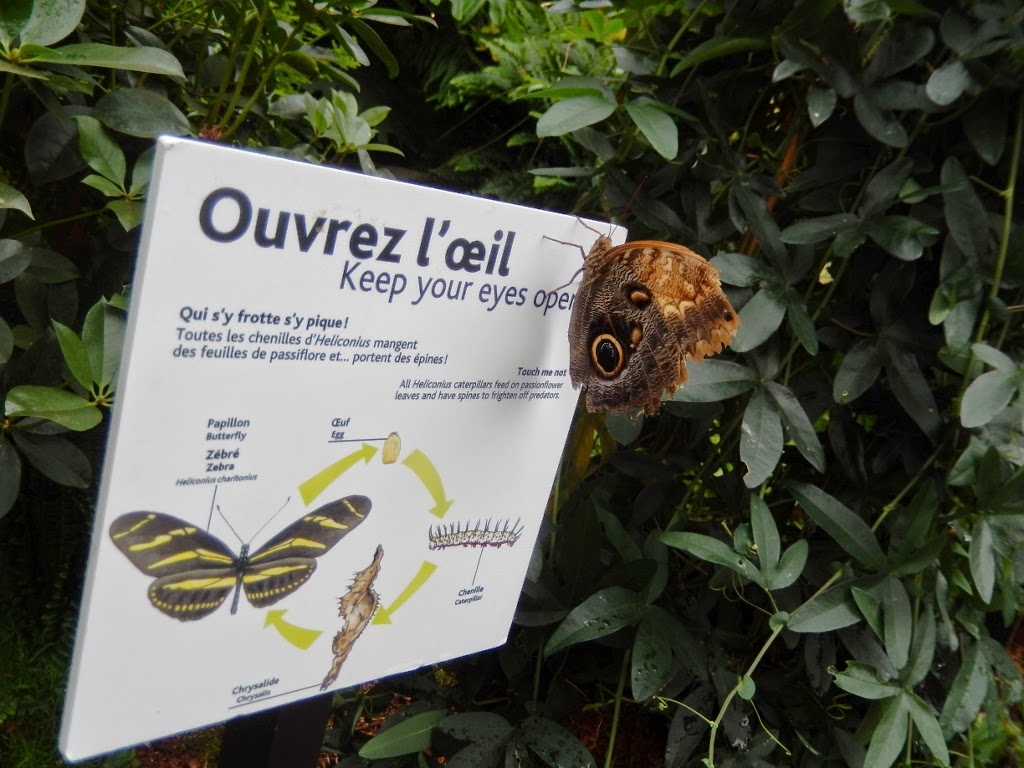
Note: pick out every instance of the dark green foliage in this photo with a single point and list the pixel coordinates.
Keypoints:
(812, 555)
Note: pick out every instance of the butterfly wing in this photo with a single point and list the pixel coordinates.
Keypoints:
(287, 560)
(193, 594)
(687, 291)
(643, 309)
(194, 571)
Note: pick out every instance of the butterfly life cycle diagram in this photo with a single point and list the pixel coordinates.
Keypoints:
(341, 407)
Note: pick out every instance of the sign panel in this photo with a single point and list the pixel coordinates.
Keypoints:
(341, 406)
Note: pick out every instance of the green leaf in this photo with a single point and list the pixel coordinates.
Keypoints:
(866, 11)
(737, 268)
(44, 22)
(884, 187)
(623, 427)
(56, 457)
(766, 537)
(928, 726)
(14, 259)
(861, 679)
(828, 611)
(759, 318)
(714, 380)
(845, 527)
(899, 235)
(717, 47)
(800, 323)
(713, 551)
(890, 735)
(369, 36)
(897, 620)
(128, 212)
(101, 152)
(102, 185)
(912, 390)
(761, 223)
(791, 565)
(966, 694)
(816, 230)
(798, 426)
(652, 656)
(994, 357)
(554, 744)
(6, 341)
(573, 86)
(404, 738)
(572, 114)
(656, 126)
(821, 103)
(877, 124)
(142, 113)
(922, 648)
(103, 336)
(10, 475)
(142, 172)
(948, 82)
(618, 536)
(152, 60)
(987, 396)
(49, 266)
(67, 409)
(760, 438)
(747, 689)
(985, 126)
(965, 215)
(603, 613)
(12, 198)
(983, 560)
(475, 726)
(869, 603)
(75, 357)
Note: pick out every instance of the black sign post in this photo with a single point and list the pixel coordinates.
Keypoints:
(285, 737)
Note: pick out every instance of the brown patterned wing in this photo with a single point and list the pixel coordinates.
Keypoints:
(643, 309)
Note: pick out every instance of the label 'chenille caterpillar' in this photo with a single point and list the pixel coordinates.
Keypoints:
(455, 535)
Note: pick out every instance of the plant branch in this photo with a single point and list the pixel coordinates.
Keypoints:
(617, 710)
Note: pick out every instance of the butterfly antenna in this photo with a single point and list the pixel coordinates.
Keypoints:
(272, 517)
(229, 524)
(213, 502)
(633, 197)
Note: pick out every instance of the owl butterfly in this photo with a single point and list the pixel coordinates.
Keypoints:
(643, 309)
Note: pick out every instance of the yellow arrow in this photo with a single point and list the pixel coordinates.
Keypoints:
(318, 483)
(425, 470)
(383, 615)
(300, 637)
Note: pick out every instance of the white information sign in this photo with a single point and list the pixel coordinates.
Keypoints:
(341, 406)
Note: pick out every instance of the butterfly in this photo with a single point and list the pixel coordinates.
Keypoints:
(195, 571)
(643, 309)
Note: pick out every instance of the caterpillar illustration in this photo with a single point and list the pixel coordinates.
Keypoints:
(455, 535)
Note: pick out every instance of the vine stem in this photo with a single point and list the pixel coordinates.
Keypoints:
(1008, 195)
(736, 688)
(243, 71)
(5, 96)
(617, 710)
(268, 71)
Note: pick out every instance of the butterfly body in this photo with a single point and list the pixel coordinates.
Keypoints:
(194, 571)
(643, 309)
